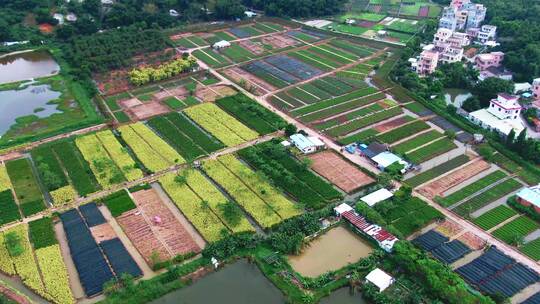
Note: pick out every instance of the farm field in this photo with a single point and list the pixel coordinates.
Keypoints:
(437, 171)
(431, 150)
(155, 245)
(417, 141)
(481, 184)
(305, 186)
(482, 199)
(224, 127)
(494, 217)
(515, 230)
(340, 172)
(26, 187)
(403, 132)
(454, 178)
(532, 249)
(408, 216)
(155, 154)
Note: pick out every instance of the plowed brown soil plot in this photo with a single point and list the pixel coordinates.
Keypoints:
(280, 41)
(146, 110)
(338, 171)
(152, 227)
(103, 232)
(392, 124)
(471, 240)
(253, 47)
(237, 75)
(449, 228)
(436, 188)
(211, 93)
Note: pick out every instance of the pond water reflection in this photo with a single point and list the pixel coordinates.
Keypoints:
(17, 103)
(22, 66)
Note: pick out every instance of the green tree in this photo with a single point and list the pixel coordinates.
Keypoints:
(510, 138)
(488, 89)
(471, 104)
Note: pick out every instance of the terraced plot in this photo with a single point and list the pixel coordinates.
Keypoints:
(432, 150)
(481, 184)
(403, 132)
(155, 154)
(514, 231)
(26, 186)
(494, 217)
(483, 199)
(220, 124)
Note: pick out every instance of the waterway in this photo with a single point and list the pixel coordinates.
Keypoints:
(22, 66)
(456, 96)
(343, 296)
(333, 250)
(239, 283)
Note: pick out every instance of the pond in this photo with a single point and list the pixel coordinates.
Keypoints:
(31, 100)
(22, 66)
(239, 283)
(333, 250)
(456, 96)
(343, 296)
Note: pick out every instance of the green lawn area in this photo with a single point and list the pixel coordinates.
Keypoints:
(173, 103)
(347, 29)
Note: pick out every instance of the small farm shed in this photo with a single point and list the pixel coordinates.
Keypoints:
(385, 159)
(250, 14)
(377, 197)
(530, 197)
(380, 279)
(305, 144)
(373, 149)
(339, 210)
(221, 44)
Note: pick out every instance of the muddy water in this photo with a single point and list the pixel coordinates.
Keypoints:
(21, 66)
(240, 283)
(333, 250)
(343, 296)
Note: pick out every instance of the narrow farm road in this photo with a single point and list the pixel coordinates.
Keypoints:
(147, 179)
(357, 159)
(468, 226)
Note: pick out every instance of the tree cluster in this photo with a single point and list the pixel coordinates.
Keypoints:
(438, 280)
(518, 28)
(144, 75)
(113, 49)
(528, 148)
(297, 8)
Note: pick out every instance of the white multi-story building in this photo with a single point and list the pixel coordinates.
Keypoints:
(501, 116)
(476, 14)
(487, 33)
(448, 18)
(536, 89)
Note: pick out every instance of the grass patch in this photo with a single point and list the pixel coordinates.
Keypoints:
(119, 202)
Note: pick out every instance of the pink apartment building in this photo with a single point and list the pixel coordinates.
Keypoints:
(485, 61)
(428, 62)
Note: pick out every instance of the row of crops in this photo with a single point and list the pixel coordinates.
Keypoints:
(256, 196)
(441, 247)
(72, 168)
(409, 215)
(290, 175)
(31, 251)
(496, 273)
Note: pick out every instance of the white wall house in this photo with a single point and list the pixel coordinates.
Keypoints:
(501, 116)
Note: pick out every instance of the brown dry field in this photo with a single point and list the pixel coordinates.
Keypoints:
(169, 229)
(253, 47)
(236, 74)
(439, 186)
(338, 171)
(214, 92)
(146, 110)
(103, 232)
(280, 41)
(392, 124)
